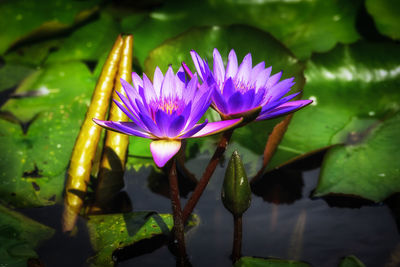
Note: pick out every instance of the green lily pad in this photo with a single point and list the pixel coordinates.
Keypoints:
(386, 16)
(19, 236)
(368, 168)
(351, 261)
(12, 74)
(260, 262)
(262, 46)
(32, 54)
(355, 92)
(24, 19)
(86, 43)
(32, 171)
(111, 232)
(314, 25)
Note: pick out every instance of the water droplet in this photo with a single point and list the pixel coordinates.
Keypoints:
(382, 174)
(371, 113)
(336, 18)
(314, 99)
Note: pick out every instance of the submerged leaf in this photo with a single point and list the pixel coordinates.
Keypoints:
(19, 236)
(109, 233)
(351, 261)
(260, 262)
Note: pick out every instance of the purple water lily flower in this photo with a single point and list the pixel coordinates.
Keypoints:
(165, 111)
(241, 89)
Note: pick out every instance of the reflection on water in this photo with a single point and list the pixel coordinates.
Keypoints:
(281, 222)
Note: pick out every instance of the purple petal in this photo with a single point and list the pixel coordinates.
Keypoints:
(259, 97)
(274, 104)
(255, 71)
(244, 70)
(186, 114)
(216, 127)
(148, 89)
(157, 81)
(128, 128)
(131, 115)
(280, 89)
(194, 130)
(168, 85)
(198, 109)
(176, 126)
(199, 64)
(137, 81)
(190, 89)
(164, 150)
(180, 81)
(219, 102)
(263, 77)
(248, 99)
(162, 121)
(273, 80)
(229, 88)
(143, 101)
(150, 125)
(141, 108)
(232, 66)
(130, 92)
(219, 69)
(126, 101)
(187, 70)
(181, 77)
(284, 109)
(235, 103)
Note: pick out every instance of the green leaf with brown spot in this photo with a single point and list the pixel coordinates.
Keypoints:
(356, 94)
(39, 140)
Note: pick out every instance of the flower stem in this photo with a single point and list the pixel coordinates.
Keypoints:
(178, 231)
(237, 238)
(212, 164)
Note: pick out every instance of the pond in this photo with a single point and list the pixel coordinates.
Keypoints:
(284, 223)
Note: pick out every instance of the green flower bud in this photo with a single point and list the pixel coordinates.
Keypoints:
(236, 193)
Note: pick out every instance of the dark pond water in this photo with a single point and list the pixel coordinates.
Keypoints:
(283, 221)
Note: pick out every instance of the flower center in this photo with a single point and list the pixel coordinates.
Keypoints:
(243, 87)
(168, 105)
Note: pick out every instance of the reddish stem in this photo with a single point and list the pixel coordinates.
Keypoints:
(198, 191)
(237, 238)
(179, 234)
